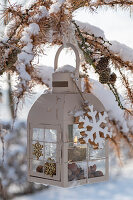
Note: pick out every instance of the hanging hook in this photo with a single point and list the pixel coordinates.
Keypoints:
(77, 57)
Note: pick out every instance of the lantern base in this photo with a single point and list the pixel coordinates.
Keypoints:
(68, 184)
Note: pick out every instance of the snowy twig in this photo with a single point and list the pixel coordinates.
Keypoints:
(84, 46)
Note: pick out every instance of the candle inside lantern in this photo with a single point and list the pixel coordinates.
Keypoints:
(75, 139)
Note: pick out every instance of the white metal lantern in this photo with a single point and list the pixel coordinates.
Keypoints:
(55, 156)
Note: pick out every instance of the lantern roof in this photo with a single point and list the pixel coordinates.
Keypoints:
(56, 108)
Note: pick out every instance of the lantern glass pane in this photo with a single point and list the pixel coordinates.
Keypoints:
(96, 153)
(77, 171)
(50, 151)
(50, 135)
(96, 168)
(76, 152)
(38, 134)
(74, 132)
(37, 166)
(44, 152)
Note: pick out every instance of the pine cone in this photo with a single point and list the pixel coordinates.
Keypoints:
(112, 78)
(102, 65)
(104, 78)
(39, 169)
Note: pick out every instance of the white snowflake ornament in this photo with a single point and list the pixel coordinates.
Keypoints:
(94, 127)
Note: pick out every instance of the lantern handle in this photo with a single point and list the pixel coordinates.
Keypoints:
(67, 45)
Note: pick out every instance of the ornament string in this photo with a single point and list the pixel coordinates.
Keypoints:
(85, 103)
(78, 89)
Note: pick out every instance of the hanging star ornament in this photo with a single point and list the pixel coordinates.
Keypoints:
(50, 167)
(37, 151)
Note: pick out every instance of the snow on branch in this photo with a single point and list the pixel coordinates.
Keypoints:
(122, 50)
(94, 4)
(112, 3)
(42, 22)
(118, 49)
(103, 55)
(27, 28)
(49, 22)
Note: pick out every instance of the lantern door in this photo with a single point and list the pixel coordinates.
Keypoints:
(45, 151)
(85, 164)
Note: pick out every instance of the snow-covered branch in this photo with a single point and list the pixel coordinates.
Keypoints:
(118, 50)
(104, 55)
(41, 22)
(93, 5)
(112, 3)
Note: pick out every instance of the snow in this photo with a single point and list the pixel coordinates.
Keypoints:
(108, 100)
(69, 69)
(43, 11)
(28, 48)
(125, 52)
(118, 188)
(121, 50)
(45, 73)
(25, 38)
(32, 29)
(86, 27)
(23, 73)
(9, 27)
(28, 4)
(3, 39)
(26, 55)
(41, 14)
(55, 7)
(66, 68)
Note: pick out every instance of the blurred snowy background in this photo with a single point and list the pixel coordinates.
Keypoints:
(117, 25)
